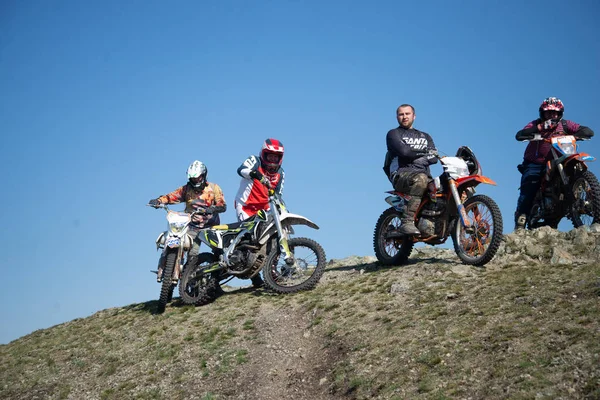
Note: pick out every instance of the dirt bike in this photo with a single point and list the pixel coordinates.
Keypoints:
(567, 189)
(448, 208)
(175, 243)
(243, 249)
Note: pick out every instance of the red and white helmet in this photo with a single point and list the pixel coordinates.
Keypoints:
(552, 104)
(271, 155)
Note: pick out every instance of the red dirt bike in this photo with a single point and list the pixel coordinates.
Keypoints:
(449, 208)
(568, 188)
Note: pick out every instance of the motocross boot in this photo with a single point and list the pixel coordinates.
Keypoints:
(520, 221)
(408, 221)
(191, 261)
(257, 282)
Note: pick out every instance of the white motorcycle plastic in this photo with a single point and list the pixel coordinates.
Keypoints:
(175, 243)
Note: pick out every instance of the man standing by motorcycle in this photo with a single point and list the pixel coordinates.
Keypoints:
(549, 124)
(407, 163)
(196, 191)
(259, 174)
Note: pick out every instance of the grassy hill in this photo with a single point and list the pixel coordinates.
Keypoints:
(527, 326)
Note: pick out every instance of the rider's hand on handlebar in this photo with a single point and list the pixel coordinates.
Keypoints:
(198, 218)
(266, 182)
(155, 203)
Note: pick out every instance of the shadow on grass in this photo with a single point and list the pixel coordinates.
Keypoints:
(152, 305)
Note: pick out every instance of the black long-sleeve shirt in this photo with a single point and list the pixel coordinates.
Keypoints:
(407, 151)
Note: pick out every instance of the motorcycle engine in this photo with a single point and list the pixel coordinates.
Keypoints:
(237, 260)
(432, 221)
(426, 226)
(242, 260)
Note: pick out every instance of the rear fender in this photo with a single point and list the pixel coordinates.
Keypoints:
(579, 158)
(473, 180)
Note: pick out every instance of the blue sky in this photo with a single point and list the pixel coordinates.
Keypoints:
(103, 105)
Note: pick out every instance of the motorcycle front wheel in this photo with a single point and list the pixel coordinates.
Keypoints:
(197, 287)
(479, 245)
(303, 274)
(390, 247)
(585, 209)
(167, 286)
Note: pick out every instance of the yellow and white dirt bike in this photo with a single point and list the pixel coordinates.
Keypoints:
(449, 208)
(243, 249)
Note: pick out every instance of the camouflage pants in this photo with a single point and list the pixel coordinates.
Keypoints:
(413, 184)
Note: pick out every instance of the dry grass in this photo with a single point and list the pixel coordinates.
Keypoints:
(514, 331)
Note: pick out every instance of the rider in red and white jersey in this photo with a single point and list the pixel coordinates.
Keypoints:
(259, 174)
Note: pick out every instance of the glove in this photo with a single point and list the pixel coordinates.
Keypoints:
(210, 210)
(198, 219)
(266, 182)
(155, 203)
(549, 125)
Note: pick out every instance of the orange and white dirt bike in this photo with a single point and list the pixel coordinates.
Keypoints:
(450, 207)
(567, 189)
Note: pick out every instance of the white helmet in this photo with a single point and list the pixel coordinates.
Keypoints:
(196, 174)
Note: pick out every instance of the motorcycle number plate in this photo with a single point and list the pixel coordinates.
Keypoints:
(173, 242)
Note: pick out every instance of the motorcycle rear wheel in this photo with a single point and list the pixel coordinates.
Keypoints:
(196, 287)
(390, 250)
(304, 274)
(167, 286)
(479, 247)
(585, 209)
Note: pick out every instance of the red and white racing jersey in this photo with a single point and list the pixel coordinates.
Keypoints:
(252, 195)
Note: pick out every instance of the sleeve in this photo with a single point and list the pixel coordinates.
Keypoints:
(580, 131)
(399, 148)
(249, 168)
(219, 201)
(174, 197)
(527, 132)
(431, 159)
(279, 187)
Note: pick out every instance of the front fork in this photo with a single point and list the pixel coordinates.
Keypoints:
(178, 265)
(283, 241)
(464, 218)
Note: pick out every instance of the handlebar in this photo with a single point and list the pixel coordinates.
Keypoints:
(199, 211)
(539, 138)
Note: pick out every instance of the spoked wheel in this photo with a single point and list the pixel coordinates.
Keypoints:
(303, 274)
(390, 247)
(585, 209)
(479, 245)
(167, 286)
(197, 287)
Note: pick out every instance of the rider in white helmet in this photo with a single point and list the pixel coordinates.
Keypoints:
(197, 192)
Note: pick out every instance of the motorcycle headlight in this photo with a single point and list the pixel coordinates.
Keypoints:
(178, 221)
(567, 148)
(177, 227)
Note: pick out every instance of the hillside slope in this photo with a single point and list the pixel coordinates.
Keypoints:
(525, 326)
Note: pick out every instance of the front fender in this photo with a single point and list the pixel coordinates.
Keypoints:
(295, 219)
